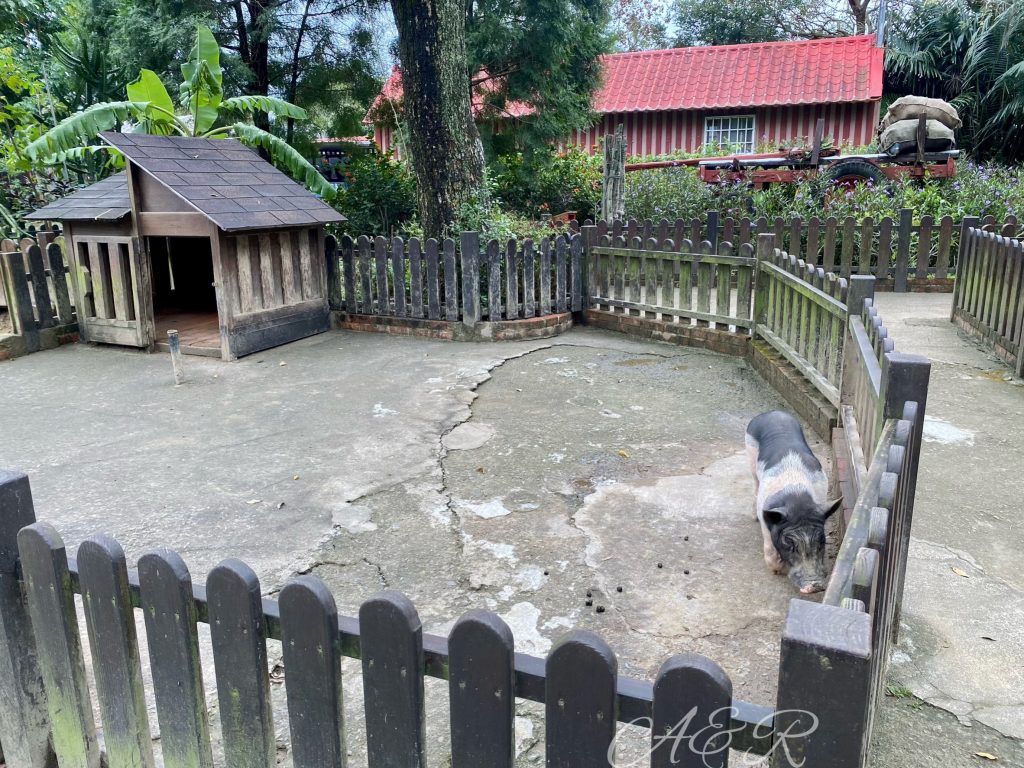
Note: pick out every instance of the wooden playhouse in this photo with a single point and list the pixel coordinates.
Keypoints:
(199, 235)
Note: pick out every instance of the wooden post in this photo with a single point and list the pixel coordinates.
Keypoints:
(968, 223)
(334, 276)
(175, 346)
(613, 189)
(712, 235)
(765, 246)
(825, 649)
(590, 240)
(469, 257)
(861, 287)
(903, 250)
(24, 722)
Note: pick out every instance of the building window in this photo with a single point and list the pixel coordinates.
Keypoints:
(731, 132)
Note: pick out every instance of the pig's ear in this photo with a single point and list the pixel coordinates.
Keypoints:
(832, 507)
(773, 517)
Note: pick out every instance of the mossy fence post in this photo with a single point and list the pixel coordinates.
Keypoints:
(24, 721)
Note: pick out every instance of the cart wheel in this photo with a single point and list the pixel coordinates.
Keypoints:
(849, 173)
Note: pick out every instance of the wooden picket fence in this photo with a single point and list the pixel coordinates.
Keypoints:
(35, 294)
(578, 682)
(468, 282)
(801, 311)
(690, 284)
(903, 254)
(988, 302)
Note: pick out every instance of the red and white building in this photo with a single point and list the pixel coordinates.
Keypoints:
(679, 99)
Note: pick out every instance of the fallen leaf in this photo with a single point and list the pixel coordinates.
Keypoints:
(986, 756)
(481, 470)
(623, 454)
(961, 572)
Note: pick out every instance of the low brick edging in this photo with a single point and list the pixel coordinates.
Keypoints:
(717, 340)
(917, 285)
(49, 338)
(502, 330)
(801, 395)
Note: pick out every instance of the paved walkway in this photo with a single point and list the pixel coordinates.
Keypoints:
(962, 639)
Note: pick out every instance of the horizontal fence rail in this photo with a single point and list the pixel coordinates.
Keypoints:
(466, 281)
(691, 284)
(988, 302)
(903, 253)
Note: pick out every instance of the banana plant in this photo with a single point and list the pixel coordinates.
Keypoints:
(202, 111)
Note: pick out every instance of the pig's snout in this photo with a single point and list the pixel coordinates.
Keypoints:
(809, 580)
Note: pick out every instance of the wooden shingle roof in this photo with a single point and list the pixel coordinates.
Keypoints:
(224, 180)
(105, 200)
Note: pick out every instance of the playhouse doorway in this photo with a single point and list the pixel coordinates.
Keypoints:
(184, 296)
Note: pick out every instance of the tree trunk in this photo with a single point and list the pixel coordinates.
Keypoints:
(293, 84)
(444, 145)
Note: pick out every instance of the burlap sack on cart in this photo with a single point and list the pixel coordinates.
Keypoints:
(913, 107)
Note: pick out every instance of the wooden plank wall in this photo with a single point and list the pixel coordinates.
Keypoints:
(266, 270)
(902, 253)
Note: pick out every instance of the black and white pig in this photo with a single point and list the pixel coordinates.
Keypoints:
(791, 504)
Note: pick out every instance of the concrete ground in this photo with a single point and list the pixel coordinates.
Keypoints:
(957, 675)
(517, 477)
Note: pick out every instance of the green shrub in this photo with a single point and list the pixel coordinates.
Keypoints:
(977, 190)
(547, 181)
(378, 196)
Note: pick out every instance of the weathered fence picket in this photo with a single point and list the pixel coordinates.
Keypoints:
(391, 646)
(580, 702)
(311, 647)
(165, 596)
(238, 636)
(690, 716)
(481, 691)
(59, 646)
(110, 620)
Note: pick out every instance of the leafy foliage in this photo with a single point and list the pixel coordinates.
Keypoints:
(378, 196)
(546, 181)
(973, 56)
(977, 190)
(152, 109)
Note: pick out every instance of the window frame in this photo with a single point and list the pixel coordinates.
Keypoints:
(753, 129)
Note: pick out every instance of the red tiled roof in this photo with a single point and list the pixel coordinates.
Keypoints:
(392, 92)
(839, 69)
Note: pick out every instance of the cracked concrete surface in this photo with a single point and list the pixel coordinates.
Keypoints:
(375, 461)
(963, 619)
